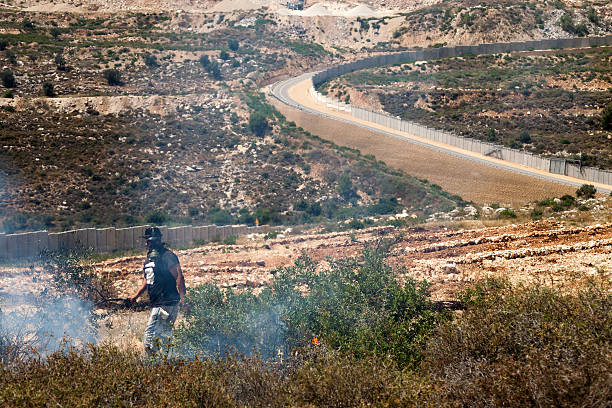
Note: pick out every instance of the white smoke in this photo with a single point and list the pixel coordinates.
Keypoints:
(45, 324)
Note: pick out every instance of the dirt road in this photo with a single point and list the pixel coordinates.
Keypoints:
(468, 178)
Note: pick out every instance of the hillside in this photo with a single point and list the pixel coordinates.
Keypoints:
(116, 114)
(177, 134)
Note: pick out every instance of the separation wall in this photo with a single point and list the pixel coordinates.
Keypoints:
(107, 240)
(473, 145)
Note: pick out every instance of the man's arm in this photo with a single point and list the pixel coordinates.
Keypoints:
(140, 291)
(180, 280)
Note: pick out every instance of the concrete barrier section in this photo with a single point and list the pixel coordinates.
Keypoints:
(188, 235)
(3, 246)
(12, 246)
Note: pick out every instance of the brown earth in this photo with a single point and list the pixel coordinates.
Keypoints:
(447, 257)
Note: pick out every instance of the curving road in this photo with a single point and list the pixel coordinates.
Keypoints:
(294, 92)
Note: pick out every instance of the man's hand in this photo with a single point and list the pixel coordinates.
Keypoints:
(185, 306)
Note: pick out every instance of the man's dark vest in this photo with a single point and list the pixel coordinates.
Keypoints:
(161, 285)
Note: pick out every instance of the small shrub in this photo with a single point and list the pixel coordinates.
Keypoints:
(224, 55)
(233, 44)
(204, 61)
(47, 88)
(157, 217)
(214, 70)
(524, 137)
(150, 60)
(356, 306)
(355, 224)
(55, 32)
(113, 77)
(8, 78)
(586, 191)
(27, 24)
(258, 124)
(506, 214)
(60, 62)
(606, 117)
(3, 44)
(525, 346)
(592, 15)
(231, 240)
(8, 94)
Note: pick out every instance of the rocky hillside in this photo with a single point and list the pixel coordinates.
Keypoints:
(120, 120)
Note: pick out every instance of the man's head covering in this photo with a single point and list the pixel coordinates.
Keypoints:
(152, 234)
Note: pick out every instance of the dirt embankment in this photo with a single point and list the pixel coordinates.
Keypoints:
(448, 258)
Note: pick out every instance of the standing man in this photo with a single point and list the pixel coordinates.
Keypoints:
(164, 282)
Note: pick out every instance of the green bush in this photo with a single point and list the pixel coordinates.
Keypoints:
(205, 61)
(506, 213)
(525, 346)
(214, 70)
(113, 77)
(233, 44)
(345, 187)
(586, 191)
(220, 217)
(231, 240)
(357, 306)
(47, 88)
(157, 217)
(8, 79)
(60, 62)
(606, 117)
(258, 124)
(150, 60)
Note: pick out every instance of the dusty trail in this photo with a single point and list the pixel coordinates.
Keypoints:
(471, 179)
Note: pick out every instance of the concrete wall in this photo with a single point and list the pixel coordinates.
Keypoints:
(107, 240)
(473, 145)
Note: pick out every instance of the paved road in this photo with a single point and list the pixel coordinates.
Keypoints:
(285, 91)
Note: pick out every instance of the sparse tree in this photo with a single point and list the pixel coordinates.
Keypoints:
(8, 79)
(258, 123)
(3, 44)
(113, 77)
(48, 90)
